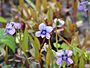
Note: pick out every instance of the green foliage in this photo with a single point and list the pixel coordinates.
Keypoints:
(25, 41)
(2, 20)
(31, 4)
(36, 45)
(64, 46)
(79, 16)
(76, 50)
(45, 4)
(88, 56)
(48, 57)
(81, 63)
(38, 5)
(8, 40)
(56, 45)
(50, 15)
(59, 6)
(75, 59)
(45, 11)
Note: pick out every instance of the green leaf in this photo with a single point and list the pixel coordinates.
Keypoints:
(21, 3)
(2, 20)
(50, 15)
(75, 58)
(66, 31)
(38, 5)
(81, 63)
(64, 46)
(54, 53)
(45, 4)
(88, 56)
(59, 6)
(30, 2)
(8, 40)
(36, 44)
(79, 16)
(76, 50)
(1, 32)
(48, 57)
(56, 46)
(75, 40)
(25, 41)
(68, 23)
(70, 26)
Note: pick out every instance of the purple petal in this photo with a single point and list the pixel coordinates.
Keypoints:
(68, 52)
(59, 54)
(16, 25)
(81, 8)
(69, 61)
(49, 29)
(59, 61)
(42, 26)
(84, 14)
(38, 33)
(9, 25)
(47, 35)
(84, 3)
(11, 31)
(85, 9)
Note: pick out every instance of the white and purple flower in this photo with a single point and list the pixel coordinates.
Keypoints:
(11, 27)
(64, 56)
(44, 31)
(58, 23)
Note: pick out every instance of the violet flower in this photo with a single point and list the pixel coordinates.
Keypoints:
(82, 6)
(16, 25)
(11, 27)
(44, 31)
(64, 56)
(58, 23)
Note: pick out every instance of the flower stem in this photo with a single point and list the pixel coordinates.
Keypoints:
(40, 60)
(42, 44)
(64, 39)
(6, 56)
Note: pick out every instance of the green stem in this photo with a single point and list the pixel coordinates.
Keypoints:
(6, 56)
(50, 44)
(64, 39)
(49, 49)
(89, 16)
